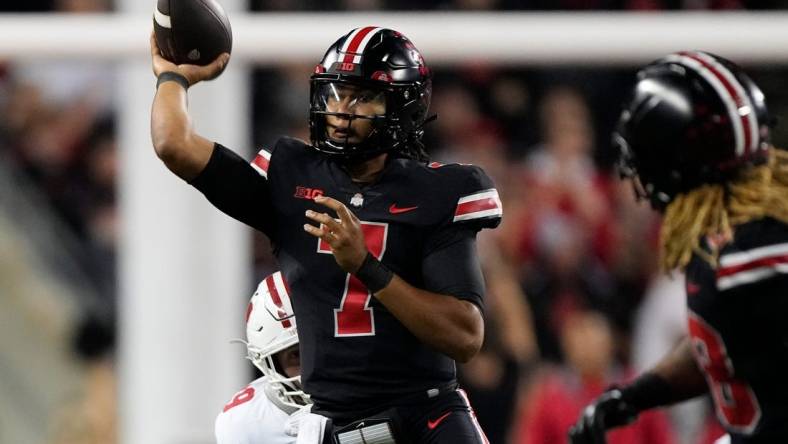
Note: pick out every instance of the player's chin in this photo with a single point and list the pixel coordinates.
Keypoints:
(341, 138)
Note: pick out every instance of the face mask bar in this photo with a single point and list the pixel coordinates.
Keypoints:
(626, 169)
(337, 105)
(348, 103)
(345, 99)
(347, 122)
(290, 391)
(290, 387)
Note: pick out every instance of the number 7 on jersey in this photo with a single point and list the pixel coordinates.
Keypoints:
(355, 317)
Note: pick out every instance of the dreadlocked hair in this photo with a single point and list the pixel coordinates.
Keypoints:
(414, 148)
(715, 209)
(778, 202)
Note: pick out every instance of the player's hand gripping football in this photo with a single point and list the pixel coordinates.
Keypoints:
(193, 73)
(607, 411)
(345, 235)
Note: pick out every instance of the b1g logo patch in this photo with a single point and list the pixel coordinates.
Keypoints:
(307, 193)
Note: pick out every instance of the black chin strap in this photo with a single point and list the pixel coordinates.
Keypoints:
(429, 119)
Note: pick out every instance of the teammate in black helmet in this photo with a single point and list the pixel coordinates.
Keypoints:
(376, 244)
(694, 140)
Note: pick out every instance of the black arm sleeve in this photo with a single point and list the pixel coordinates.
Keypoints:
(451, 266)
(234, 187)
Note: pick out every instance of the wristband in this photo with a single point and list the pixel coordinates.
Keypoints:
(172, 76)
(648, 391)
(373, 274)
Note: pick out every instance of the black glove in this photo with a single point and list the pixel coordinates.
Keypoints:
(607, 411)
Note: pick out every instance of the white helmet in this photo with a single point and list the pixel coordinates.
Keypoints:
(271, 328)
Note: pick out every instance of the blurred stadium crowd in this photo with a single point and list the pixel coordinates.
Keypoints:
(574, 303)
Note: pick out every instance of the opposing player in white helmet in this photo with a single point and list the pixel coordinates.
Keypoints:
(260, 412)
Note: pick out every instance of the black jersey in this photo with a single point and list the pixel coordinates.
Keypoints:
(738, 321)
(355, 355)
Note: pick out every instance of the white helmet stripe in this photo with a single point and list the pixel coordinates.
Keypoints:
(745, 107)
(716, 83)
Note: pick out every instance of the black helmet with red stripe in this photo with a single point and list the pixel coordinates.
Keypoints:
(692, 118)
(376, 78)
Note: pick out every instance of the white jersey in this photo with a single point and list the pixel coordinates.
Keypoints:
(252, 418)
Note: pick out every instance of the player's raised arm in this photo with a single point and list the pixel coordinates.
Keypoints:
(183, 151)
(229, 182)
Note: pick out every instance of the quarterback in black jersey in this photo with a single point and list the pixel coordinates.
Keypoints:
(694, 139)
(376, 243)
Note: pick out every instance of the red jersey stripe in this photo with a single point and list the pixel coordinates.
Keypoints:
(261, 162)
(757, 263)
(474, 206)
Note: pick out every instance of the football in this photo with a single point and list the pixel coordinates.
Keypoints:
(191, 31)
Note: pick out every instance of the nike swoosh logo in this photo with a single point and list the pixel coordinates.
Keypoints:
(432, 424)
(394, 210)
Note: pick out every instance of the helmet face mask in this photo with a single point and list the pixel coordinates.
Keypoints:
(348, 117)
(271, 329)
(369, 60)
(347, 99)
(287, 389)
(626, 169)
(692, 119)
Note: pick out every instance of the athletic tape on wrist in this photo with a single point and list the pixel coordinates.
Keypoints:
(171, 76)
(373, 274)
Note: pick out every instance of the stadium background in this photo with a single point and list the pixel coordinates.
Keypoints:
(120, 288)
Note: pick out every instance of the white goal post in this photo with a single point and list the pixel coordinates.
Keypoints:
(445, 37)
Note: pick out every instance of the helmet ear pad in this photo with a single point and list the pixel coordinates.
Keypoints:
(413, 104)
